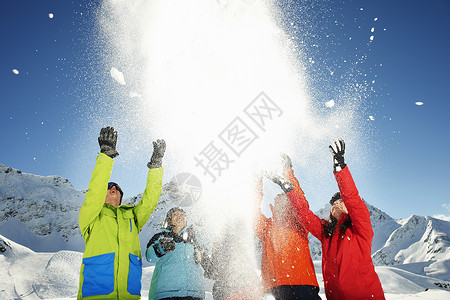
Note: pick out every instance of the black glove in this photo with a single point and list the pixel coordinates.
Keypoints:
(285, 185)
(286, 161)
(167, 244)
(107, 141)
(338, 155)
(159, 147)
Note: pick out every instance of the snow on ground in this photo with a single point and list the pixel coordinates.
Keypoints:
(37, 275)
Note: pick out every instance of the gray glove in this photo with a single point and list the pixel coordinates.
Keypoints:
(107, 141)
(159, 147)
(198, 255)
(338, 155)
(285, 184)
(167, 244)
(286, 161)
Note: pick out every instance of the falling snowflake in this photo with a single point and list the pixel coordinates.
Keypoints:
(329, 103)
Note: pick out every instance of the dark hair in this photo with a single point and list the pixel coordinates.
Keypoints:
(330, 226)
(168, 220)
(335, 197)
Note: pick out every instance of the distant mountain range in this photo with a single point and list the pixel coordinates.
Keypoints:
(41, 213)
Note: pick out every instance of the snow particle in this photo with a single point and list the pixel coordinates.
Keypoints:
(117, 76)
(361, 8)
(419, 103)
(371, 38)
(371, 118)
(372, 30)
(376, 19)
(50, 15)
(15, 71)
(329, 103)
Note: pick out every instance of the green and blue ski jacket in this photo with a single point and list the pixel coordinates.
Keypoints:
(112, 264)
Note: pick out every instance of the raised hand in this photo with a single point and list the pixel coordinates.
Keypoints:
(286, 162)
(285, 185)
(159, 148)
(338, 155)
(107, 141)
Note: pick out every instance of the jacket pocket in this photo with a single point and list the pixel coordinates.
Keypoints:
(134, 275)
(98, 275)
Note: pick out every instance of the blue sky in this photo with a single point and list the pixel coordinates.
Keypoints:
(48, 107)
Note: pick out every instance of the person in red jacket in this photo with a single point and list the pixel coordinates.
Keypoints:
(287, 269)
(346, 237)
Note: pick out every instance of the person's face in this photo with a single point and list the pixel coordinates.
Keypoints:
(338, 208)
(113, 197)
(179, 220)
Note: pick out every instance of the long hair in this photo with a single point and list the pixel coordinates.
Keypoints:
(330, 226)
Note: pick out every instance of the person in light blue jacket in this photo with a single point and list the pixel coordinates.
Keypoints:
(177, 274)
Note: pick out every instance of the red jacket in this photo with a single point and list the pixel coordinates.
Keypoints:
(285, 259)
(347, 266)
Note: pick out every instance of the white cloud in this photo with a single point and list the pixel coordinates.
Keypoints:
(15, 71)
(442, 217)
(330, 103)
(117, 76)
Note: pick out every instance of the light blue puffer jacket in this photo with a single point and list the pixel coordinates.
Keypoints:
(176, 273)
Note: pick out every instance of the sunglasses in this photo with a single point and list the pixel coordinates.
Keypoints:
(111, 184)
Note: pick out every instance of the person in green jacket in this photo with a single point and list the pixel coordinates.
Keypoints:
(112, 265)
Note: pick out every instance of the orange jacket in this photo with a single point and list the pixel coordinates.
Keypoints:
(285, 257)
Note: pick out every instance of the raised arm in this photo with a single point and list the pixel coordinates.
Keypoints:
(98, 186)
(288, 173)
(303, 214)
(153, 188)
(259, 223)
(356, 208)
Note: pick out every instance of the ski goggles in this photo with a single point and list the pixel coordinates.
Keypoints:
(111, 184)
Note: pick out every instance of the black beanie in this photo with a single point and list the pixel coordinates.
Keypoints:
(335, 197)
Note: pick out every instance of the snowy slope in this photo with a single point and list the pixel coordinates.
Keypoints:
(30, 275)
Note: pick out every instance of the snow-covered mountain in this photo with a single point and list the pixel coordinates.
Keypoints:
(41, 212)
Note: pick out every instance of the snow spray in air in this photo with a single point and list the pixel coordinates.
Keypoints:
(218, 80)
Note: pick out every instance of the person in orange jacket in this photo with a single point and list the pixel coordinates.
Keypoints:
(346, 237)
(287, 269)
